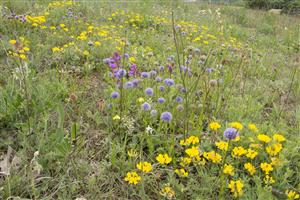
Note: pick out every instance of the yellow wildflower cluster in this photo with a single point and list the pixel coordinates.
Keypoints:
(163, 159)
(214, 126)
(252, 127)
(228, 169)
(212, 156)
(236, 188)
(57, 4)
(292, 195)
(238, 151)
(190, 140)
(274, 149)
(251, 153)
(132, 178)
(236, 125)
(36, 20)
(222, 145)
(263, 138)
(181, 172)
(20, 48)
(144, 166)
(192, 152)
(167, 192)
(250, 168)
(266, 167)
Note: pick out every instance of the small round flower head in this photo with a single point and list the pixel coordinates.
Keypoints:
(213, 82)
(109, 106)
(209, 70)
(161, 68)
(126, 55)
(180, 107)
(149, 91)
(162, 88)
(106, 60)
(145, 75)
(161, 100)
(169, 82)
(179, 99)
(153, 113)
(183, 90)
(129, 84)
(230, 133)
(158, 79)
(171, 58)
(121, 73)
(153, 73)
(114, 95)
(135, 82)
(166, 117)
(146, 106)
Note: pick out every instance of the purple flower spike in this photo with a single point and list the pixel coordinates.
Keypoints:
(230, 133)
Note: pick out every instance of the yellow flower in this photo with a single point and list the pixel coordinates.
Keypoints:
(251, 153)
(213, 156)
(191, 140)
(116, 117)
(292, 195)
(26, 49)
(56, 49)
(86, 53)
(279, 138)
(228, 169)
(185, 161)
(200, 160)
(132, 178)
(214, 126)
(140, 100)
(236, 188)
(163, 159)
(132, 153)
(144, 166)
(255, 146)
(97, 43)
(250, 168)
(252, 127)
(238, 151)
(167, 192)
(275, 161)
(236, 125)
(181, 172)
(269, 179)
(192, 152)
(264, 138)
(23, 56)
(12, 42)
(266, 167)
(222, 145)
(132, 59)
(62, 25)
(274, 149)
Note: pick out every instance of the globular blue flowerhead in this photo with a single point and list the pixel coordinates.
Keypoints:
(129, 84)
(161, 100)
(158, 79)
(179, 99)
(149, 91)
(145, 75)
(120, 73)
(162, 88)
(153, 73)
(146, 106)
(169, 82)
(162, 68)
(231, 133)
(114, 95)
(135, 82)
(166, 117)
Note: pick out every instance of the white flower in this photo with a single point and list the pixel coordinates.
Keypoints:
(149, 130)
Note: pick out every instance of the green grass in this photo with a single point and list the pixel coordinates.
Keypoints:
(56, 103)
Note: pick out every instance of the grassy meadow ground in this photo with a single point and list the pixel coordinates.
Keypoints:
(73, 125)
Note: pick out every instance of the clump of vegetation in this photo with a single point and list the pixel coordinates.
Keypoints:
(147, 100)
(287, 6)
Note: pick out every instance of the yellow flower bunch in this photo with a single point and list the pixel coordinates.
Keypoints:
(144, 166)
(236, 188)
(185, 161)
(269, 179)
(292, 195)
(238, 151)
(132, 178)
(274, 149)
(167, 192)
(192, 152)
(228, 169)
(264, 138)
(279, 138)
(266, 167)
(222, 145)
(236, 125)
(163, 159)
(250, 168)
(181, 172)
(212, 156)
(253, 128)
(251, 153)
(214, 126)
(191, 140)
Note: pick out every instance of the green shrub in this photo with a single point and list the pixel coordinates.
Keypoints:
(288, 6)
